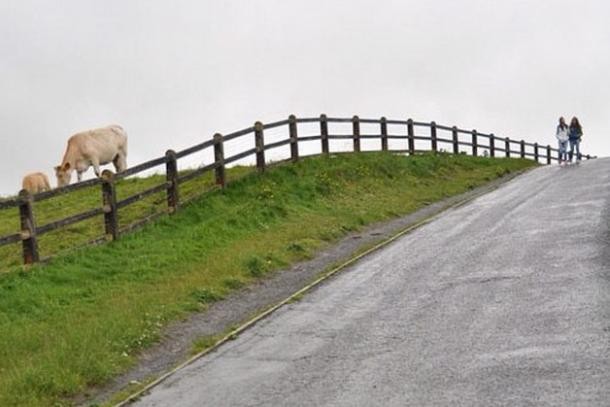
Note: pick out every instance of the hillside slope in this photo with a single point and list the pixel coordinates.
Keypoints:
(82, 318)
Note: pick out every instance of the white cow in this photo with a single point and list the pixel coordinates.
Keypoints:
(35, 182)
(93, 148)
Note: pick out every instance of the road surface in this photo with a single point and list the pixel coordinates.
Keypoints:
(504, 301)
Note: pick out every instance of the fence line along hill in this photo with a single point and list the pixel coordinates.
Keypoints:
(114, 204)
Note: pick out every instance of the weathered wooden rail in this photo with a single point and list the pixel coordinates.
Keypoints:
(439, 137)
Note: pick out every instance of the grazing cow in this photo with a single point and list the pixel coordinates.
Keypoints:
(35, 182)
(93, 148)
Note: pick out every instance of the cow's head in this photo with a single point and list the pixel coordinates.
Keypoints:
(63, 174)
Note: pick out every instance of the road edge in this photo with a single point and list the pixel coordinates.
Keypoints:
(468, 197)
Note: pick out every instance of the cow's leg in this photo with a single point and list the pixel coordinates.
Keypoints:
(120, 163)
(96, 167)
(116, 162)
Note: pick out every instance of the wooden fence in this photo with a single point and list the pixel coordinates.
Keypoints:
(439, 137)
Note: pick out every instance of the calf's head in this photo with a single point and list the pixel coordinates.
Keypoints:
(63, 174)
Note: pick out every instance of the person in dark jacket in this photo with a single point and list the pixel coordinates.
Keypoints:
(574, 136)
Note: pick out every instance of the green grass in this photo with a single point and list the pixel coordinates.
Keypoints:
(82, 318)
(79, 234)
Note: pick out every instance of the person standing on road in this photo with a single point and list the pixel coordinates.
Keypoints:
(562, 137)
(574, 136)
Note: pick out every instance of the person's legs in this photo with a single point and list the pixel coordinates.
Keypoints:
(563, 151)
(577, 142)
(571, 155)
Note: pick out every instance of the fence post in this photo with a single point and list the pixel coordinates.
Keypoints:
(260, 146)
(29, 240)
(171, 176)
(384, 134)
(492, 145)
(536, 152)
(454, 136)
(507, 147)
(324, 133)
(433, 143)
(294, 142)
(356, 128)
(522, 148)
(219, 159)
(111, 223)
(474, 143)
(548, 154)
(410, 136)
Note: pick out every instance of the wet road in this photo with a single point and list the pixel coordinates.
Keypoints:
(504, 301)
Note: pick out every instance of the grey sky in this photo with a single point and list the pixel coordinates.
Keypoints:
(174, 72)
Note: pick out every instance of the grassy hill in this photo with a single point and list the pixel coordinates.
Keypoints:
(79, 234)
(82, 318)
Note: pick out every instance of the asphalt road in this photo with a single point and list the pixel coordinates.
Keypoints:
(504, 301)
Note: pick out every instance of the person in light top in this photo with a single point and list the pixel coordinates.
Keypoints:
(562, 137)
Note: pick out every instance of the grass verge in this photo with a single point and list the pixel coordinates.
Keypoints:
(64, 239)
(82, 318)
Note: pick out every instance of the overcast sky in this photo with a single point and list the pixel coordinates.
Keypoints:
(174, 72)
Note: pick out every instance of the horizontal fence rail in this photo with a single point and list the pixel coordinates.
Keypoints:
(439, 138)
